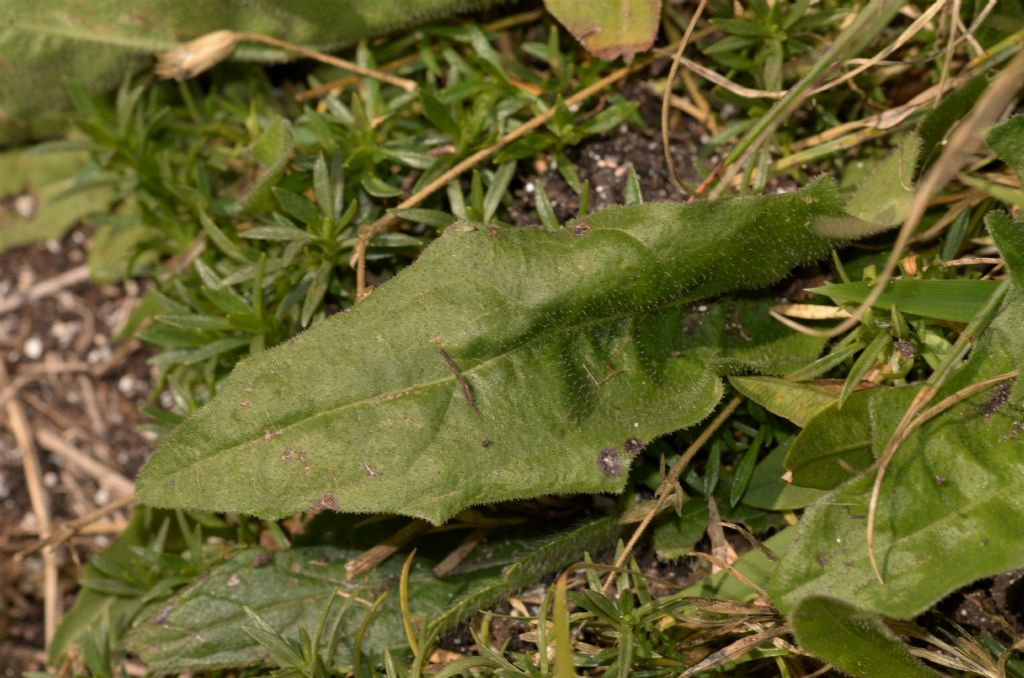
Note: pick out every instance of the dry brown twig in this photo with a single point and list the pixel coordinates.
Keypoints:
(45, 288)
(40, 505)
(68, 529)
(102, 474)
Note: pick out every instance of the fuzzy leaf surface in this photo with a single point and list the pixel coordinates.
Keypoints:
(200, 627)
(505, 363)
(853, 640)
(950, 509)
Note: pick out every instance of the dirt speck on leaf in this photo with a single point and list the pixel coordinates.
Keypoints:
(609, 462)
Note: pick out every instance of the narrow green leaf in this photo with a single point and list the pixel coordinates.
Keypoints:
(273, 150)
(220, 239)
(545, 212)
(298, 206)
(795, 401)
(322, 188)
(437, 114)
(195, 321)
(379, 188)
(824, 364)
(496, 191)
(853, 640)
(436, 218)
(745, 469)
(277, 233)
(955, 300)
(500, 351)
(869, 357)
(634, 196)
(315, 294)
(263, 633)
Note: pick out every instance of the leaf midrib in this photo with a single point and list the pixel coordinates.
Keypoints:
(416, 388)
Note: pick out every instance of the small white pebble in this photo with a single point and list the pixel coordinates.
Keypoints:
(33, 348)
(50, 479)
(98, 355)
(26, 205)
(102, 497)
(53, 246)
(126, 384)
(530, 188)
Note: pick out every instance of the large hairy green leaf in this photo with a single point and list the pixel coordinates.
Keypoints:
(95, 43)
(853, 640)
(505, 363)
(951, 510)
(201, 628)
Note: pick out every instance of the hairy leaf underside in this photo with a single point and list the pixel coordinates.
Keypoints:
(505, 363)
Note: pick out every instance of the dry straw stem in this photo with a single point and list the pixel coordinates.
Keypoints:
(196, 56)
(367, 233)
(403, 603)
(376, 555)
(66, 530)
(45, 288)
(964, 140)
(666, 97)
(667, 487)
(40, 505)
(99, 472)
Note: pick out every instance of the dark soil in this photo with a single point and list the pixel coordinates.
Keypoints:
(605, 161)
(71, 379)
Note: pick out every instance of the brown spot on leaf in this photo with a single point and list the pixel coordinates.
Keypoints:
(261, 559)
(328, 501)
(580, 229)
(609, 462)
(163, 615)
(905, 349)
(246, 403)
(634, 446)
(997, 400)
(288, 454)
(372, 472)
(940, 480)
(268, 434)
(486, 443)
